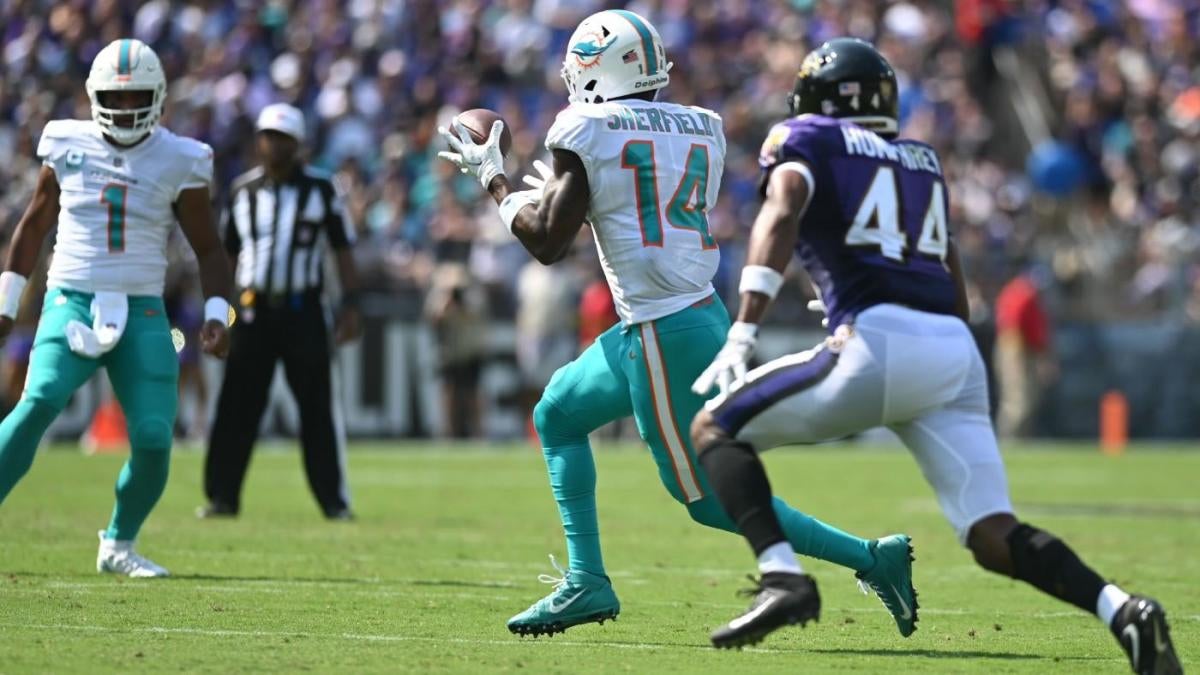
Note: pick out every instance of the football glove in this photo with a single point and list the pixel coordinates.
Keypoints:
(544, 175)
(484, 161)
(729, 366)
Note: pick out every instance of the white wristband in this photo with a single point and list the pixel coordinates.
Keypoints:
(514, 202)
(217, 309)
(760, 279)
(12, 285)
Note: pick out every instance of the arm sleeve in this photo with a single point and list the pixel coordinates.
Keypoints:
(337, 219)
(788, 143)
(50, 147)
(573, 132)
(200, 174)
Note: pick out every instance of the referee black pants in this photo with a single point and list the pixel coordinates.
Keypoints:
(300, 337)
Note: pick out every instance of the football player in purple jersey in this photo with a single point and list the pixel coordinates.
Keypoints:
(866, 212)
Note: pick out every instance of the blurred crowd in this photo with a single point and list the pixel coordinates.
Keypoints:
(1069, 129)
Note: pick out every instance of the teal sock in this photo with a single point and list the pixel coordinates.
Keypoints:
(573, 481)
(20, 433)
(139, 486)
(807, 535)
(816, 539)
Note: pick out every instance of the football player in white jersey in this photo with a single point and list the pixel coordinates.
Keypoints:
(644, 173)
(115, 186)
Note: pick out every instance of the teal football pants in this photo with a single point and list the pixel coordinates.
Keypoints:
(144, 372)
(646, 370)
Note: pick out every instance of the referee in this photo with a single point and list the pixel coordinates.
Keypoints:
(280, 218)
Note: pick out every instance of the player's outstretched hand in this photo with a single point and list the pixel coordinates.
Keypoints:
(545, 173)
(729, 366)
(214, 339)
(484, 161)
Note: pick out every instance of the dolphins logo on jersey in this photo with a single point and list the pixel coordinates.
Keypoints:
(588, 53)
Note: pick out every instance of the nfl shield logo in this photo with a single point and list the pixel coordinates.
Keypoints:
(118, 162)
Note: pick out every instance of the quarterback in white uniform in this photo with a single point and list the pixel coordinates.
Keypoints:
(644, 173)
(115, 186)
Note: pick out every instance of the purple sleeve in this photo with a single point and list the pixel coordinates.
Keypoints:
(793, 140)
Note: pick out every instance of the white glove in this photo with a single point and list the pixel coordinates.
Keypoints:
(482, 161)
(729, 366)
(536, 182)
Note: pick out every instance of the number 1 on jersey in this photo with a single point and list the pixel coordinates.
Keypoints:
(113, 195)
(687, 208)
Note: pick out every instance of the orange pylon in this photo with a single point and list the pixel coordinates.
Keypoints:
(107, 432)
(1114, 423)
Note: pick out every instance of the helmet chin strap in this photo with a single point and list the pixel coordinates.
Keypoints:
(124, 142)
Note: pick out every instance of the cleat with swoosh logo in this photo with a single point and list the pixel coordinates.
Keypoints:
(891, 579)
(1141, 628)
(578, 598)
(780, 599)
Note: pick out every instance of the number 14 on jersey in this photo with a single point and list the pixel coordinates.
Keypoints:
(687, 209)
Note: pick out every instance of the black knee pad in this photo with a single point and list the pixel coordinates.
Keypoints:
(1047, 563)
(1036, 554)
(740, 483)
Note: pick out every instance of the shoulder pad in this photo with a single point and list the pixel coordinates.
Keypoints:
(573, 128)
(57, 135)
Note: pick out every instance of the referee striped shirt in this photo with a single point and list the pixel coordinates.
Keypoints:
(278, 231)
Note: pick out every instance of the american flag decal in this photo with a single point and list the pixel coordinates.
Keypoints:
(629, 56)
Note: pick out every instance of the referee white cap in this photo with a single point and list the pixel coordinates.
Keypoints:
(284, 118)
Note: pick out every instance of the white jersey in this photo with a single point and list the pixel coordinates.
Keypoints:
(115, 205)
(654, 170)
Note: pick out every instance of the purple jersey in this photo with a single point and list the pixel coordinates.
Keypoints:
(875, 230)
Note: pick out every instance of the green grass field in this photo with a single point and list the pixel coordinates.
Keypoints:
(449, 543)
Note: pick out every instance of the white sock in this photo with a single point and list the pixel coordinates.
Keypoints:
(1111, 599)
(779, 558)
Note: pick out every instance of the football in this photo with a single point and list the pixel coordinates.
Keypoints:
(478, 122)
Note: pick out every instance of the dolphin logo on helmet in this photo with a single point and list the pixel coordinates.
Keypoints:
(592, 49)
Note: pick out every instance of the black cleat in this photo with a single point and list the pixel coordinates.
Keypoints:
(1141, 628)
(216, 509)
(345, 515)
(780, 599)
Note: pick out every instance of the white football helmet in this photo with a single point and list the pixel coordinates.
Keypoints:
(127, 65)
(611, 54)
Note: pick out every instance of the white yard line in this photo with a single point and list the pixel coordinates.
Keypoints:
(514, 642)
(425, 592)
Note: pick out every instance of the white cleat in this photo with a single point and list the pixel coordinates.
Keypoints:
(118, 557)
